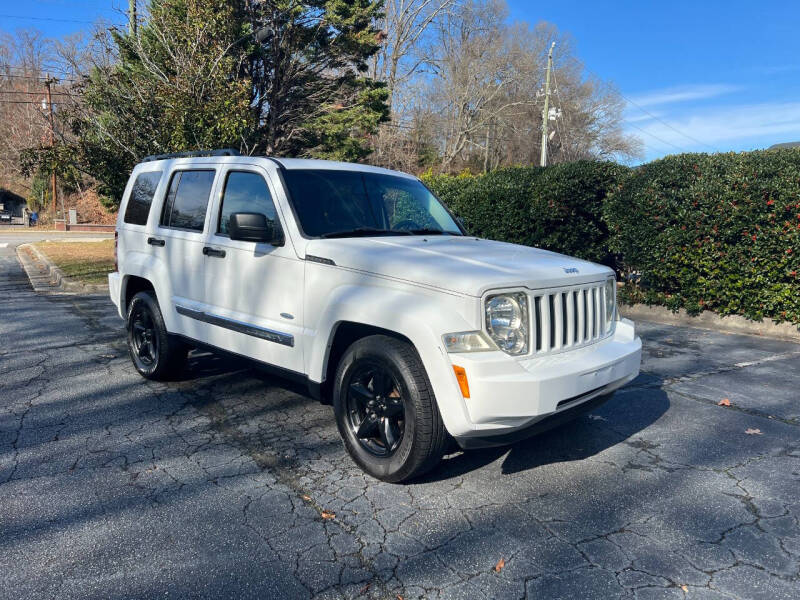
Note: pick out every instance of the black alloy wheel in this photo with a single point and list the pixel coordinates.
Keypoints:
(144, 337)
(385, 409)
(375, 409)
(155, 353)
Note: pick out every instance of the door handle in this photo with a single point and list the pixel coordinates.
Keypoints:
(209, 251)
(155, 241)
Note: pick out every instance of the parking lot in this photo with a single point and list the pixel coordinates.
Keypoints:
(231, 483)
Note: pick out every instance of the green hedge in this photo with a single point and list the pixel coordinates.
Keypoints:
(557, 208)
(695, 231)
(718, 232)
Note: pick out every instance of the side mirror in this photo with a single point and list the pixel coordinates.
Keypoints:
(254, 227)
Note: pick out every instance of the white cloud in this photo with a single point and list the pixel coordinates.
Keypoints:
(684, 93)
(728, 128)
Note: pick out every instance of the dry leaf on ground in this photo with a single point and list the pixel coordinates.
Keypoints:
(500, 564)
(306, 497)
(752, 431)
(328, 515)
(685, 588)
(724, 402)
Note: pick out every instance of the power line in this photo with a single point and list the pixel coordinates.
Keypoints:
(652, 116)
(663, 122)
(35, 77)
(678, 148)
(27, 18)
(28, 93)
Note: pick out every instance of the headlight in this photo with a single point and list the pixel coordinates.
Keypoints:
(507, 322)
(611, 288)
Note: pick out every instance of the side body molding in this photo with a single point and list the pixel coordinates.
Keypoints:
(259, 332)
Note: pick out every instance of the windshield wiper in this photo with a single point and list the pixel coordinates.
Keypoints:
(428, 231)
(363, 232)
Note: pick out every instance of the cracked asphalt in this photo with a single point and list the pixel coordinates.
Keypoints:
(215, 485)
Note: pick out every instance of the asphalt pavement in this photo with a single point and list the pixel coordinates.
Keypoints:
(233, 484)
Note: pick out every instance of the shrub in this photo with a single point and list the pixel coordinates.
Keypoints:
(558, 208)
(718, 232)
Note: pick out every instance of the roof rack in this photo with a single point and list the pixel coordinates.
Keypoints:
(192, 154)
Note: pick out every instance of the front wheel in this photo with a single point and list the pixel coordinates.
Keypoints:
(386, 411)
(155, 353)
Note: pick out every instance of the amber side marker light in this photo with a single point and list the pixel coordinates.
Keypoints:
(461, 375)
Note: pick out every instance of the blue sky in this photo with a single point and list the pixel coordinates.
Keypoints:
(719, 75)
(699, 75)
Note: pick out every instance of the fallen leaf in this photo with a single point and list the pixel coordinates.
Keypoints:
(307, 498)
(364, 590)
(500, 564)
(752, 431)
(399, 597)
(328, 515)
(724, 402)
(685, 588)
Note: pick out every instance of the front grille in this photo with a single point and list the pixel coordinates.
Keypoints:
(568, 318)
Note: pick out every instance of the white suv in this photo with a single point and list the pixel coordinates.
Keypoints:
(359, 282)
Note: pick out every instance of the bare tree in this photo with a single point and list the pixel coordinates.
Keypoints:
(403, 30)
(23, 60)
(481, 95)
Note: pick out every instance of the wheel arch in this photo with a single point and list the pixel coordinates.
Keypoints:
(132, 285)
(344, 335)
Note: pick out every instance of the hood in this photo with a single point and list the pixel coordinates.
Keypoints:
(465, 265)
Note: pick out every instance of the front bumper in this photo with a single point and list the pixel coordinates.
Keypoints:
(507, 394)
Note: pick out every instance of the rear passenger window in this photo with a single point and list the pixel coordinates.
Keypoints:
(187, 200)
(245, 193)
(144, 188)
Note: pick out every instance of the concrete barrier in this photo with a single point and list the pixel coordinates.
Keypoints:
(711, 320)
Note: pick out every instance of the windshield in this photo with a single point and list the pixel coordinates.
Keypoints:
(351, 203)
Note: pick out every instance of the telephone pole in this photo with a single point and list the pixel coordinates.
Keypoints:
(546, 110)
(48, 82)
(132, 17)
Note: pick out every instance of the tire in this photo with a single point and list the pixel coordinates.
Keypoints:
(155, 353)
(389, 373)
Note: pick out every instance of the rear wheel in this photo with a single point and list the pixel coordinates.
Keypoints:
(386, 411)
(155, 353)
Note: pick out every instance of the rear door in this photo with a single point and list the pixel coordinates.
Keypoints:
(180, 241)
(254, 291)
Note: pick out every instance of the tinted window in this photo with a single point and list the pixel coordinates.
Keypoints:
(187, 200)
(408, 204)
(328, 202)
(245, 193)
(144, 188)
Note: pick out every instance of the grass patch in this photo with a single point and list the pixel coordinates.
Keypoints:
(87, 262)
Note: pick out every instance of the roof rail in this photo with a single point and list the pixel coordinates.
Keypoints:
(192, 153)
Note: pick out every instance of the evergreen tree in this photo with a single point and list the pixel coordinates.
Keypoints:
(279, 77)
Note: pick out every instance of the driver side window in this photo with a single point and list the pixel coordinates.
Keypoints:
(401, 207)
(246, 192)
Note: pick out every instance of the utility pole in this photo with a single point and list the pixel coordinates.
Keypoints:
(132, 17)
(48, 82)
(546, 110)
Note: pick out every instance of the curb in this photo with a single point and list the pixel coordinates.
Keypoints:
(712, 321)
(45, 277)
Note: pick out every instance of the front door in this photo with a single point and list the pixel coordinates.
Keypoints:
(253, 290)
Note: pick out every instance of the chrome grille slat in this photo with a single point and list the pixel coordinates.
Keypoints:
(558, 326)
(545, 325)
(567, 318)
(570, 295)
